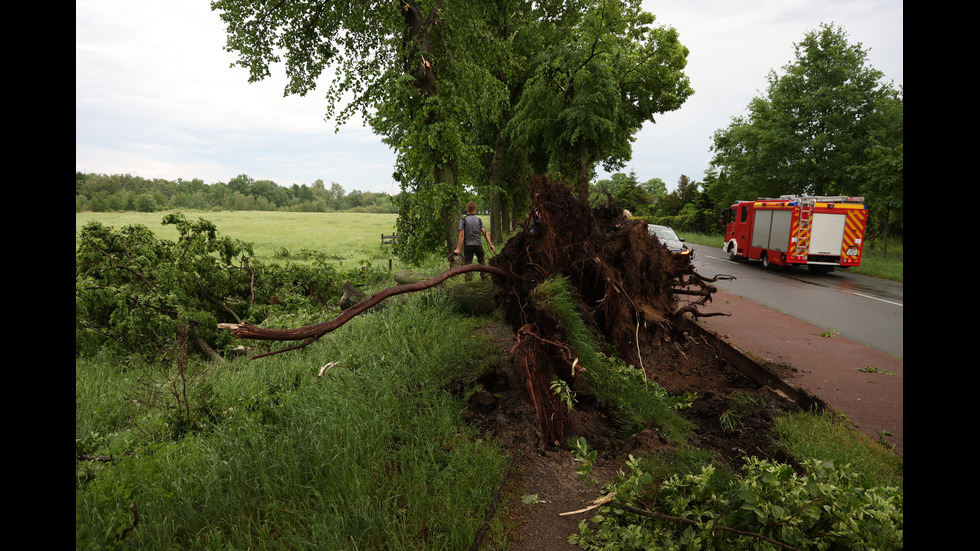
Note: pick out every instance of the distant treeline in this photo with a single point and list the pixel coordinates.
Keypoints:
(121, 192)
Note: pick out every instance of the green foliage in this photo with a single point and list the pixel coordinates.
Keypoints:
(585, 459)
(134, 290)
(627, 192)
(470, 91)
(563, 391)
(769, 506)
(610, 71)
(118, 192)
(636, 402)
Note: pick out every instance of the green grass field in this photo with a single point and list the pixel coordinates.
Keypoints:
(342, 236)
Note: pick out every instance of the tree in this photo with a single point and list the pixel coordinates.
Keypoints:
(393, 60)
(594, 90)
(626, 190)
(882, 175)
(655, 188)
(815, 130)
(145, 203)
(438, 82)
(133, 290)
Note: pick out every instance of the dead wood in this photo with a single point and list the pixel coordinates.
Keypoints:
(408, 276)
(352, 295)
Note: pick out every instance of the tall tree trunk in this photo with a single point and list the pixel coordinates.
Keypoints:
(498, 219)
(446, 175)
(418, 36)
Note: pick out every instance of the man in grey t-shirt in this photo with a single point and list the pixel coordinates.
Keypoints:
(470, 230)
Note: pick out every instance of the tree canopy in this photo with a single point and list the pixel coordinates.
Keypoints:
(460, 91)
(828, 125)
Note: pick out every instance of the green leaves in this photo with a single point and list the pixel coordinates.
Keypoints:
(132, 290)
(821, 508)
(559, 86)
(593, 89)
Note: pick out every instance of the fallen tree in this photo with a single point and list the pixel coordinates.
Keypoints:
(626, 286)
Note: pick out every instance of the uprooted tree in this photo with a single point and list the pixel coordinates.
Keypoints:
(625, 283)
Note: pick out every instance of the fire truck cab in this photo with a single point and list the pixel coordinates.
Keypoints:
(821, 232)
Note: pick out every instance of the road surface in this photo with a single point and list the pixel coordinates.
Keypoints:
(864, 309)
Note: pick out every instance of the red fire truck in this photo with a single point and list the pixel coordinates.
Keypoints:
(818, 232)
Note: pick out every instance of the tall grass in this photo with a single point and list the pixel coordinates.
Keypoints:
(366, 457)
(633, 402)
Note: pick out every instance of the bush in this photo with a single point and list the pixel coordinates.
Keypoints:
(145, 203)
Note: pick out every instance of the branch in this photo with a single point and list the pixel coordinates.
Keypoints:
(311, 333)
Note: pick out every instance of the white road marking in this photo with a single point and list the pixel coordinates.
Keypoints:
(881, 299)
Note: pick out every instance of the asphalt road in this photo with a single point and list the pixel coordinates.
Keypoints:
(864, 309)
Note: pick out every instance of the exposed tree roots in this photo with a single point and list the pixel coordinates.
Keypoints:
(627, 285)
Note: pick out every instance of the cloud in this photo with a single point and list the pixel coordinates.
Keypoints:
(155, 95)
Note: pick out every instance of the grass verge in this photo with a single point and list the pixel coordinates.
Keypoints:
(366, 456)
(829, 437)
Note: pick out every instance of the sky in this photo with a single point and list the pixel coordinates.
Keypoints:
(155, 95)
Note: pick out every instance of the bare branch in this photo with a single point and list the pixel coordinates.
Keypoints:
(312, 333)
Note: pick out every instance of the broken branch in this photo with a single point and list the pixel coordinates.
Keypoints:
(311, 333)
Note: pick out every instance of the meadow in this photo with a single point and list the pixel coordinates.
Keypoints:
(345, 237)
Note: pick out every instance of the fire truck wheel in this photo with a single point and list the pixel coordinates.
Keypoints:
(765, 261)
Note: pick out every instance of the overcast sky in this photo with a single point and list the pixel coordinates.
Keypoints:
(155, 96)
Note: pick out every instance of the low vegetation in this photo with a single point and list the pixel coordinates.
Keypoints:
(366, 455)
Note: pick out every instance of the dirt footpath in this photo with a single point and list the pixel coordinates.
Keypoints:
(864, 383)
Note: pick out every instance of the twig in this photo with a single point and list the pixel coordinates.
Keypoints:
(598, 502)
(326, 368)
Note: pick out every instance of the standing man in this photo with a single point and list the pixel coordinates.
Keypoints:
(470, 230)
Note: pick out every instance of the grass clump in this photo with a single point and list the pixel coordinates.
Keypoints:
(828, 436)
